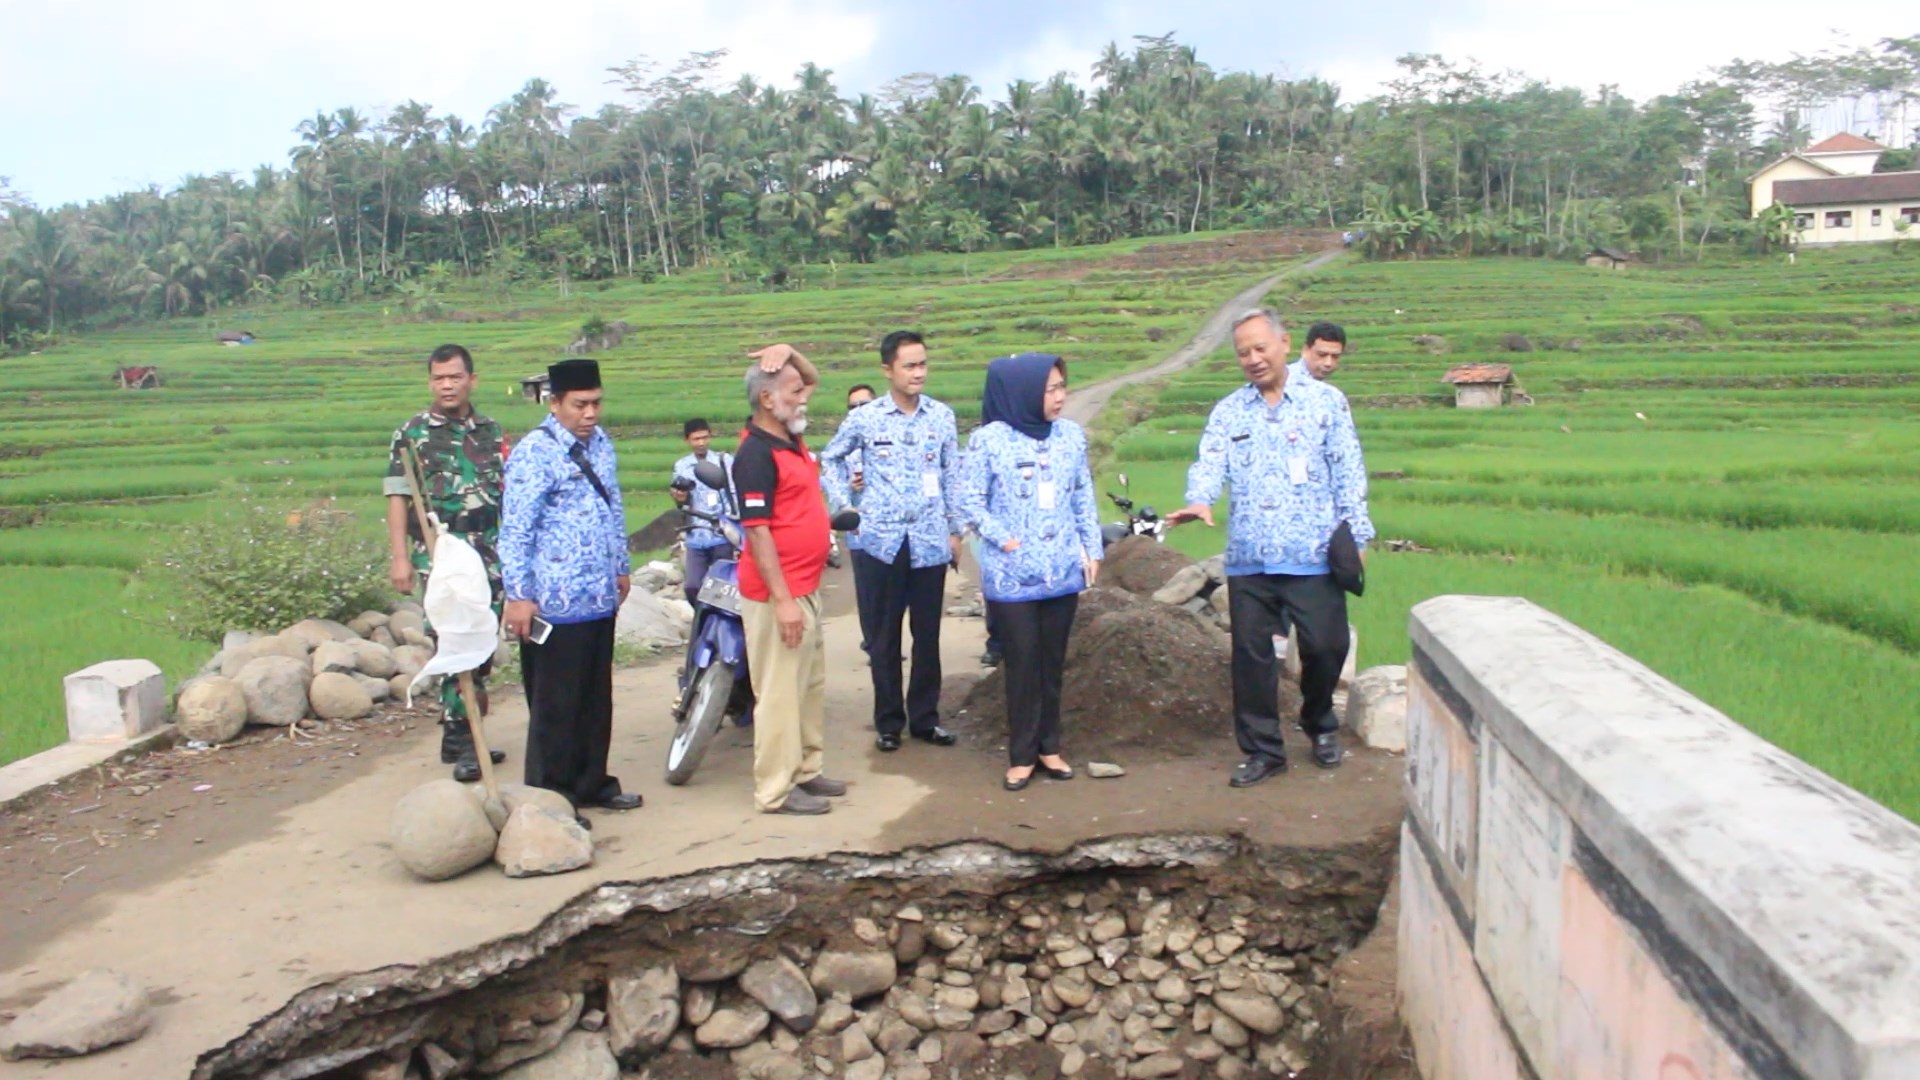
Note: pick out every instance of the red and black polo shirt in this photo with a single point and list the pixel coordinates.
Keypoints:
(778, 482)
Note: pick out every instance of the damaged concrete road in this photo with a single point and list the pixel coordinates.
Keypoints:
(229, 938)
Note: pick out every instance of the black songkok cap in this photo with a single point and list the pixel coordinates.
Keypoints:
(576, 374)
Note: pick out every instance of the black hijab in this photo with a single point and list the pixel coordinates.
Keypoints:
(1017, 392)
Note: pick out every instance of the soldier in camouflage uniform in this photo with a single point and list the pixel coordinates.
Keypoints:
(462, 455)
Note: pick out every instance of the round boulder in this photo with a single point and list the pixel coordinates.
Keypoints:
(371, 659)
(333, 656)
(317, 632)
(338, 696)
(409, 659)
(211, 709)
(377, 689)
(439, 830)
(404, 620)
(275, 688)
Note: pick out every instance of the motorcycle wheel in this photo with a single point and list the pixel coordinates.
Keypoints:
(706, 709)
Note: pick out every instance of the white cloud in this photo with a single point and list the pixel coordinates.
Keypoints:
(1645, 47)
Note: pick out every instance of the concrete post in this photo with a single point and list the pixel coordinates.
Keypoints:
(115, 700)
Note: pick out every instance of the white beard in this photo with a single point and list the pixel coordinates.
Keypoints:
(796, 423)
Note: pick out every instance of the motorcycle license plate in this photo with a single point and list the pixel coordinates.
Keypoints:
(724, 595)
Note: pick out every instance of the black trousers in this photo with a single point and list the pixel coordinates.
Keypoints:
(1033, 634)
(885, 592)
(569, 683)
(1260, 606)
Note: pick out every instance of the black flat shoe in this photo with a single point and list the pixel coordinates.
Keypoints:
(1017, 785)
(888, 741)
(467, 772)
(1052, 773)
(626, 800)
(1326, 750)
(937, 735)
(1255, 769)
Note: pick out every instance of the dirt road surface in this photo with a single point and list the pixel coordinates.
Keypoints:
(1085, 404)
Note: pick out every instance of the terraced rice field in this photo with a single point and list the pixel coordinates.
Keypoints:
(94, 479)
(1719, 473)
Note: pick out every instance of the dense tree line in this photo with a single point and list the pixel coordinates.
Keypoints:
(765, 182)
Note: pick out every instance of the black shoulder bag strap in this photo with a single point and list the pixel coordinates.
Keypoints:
(578, 455)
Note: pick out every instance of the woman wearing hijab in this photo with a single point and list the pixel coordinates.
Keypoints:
(1026, 489)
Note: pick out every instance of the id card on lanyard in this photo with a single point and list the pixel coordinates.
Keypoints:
(1044, 495)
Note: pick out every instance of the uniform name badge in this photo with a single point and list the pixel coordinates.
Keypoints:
(930, 484)
(1297, 470)
(1045, 496)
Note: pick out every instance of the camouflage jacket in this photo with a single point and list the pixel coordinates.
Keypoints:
(464, 462)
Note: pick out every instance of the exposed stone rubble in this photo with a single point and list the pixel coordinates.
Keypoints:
(1121, 980)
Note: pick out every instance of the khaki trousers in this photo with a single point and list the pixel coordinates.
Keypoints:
(790, 701)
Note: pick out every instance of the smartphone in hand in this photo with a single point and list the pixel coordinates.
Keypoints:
(538, 629)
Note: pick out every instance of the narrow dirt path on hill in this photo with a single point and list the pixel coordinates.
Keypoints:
(1084, 404)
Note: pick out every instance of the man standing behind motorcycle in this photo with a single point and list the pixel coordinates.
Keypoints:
(778, 482)
(910, 529)
(705, 546)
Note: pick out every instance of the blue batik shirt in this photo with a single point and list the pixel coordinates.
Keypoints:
(561, 545)
(1295, 473)
(1298, 370)
(912, 466)
(1039, 492)
(703, 498)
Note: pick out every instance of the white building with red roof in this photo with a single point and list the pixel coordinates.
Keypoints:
(1835, 195)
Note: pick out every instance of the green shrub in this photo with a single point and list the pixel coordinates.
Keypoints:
(265, 568)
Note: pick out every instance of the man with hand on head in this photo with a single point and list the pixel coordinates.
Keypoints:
(910, 528)
(778, 482)
(1288, 450)
(563, 553)
(461, 456)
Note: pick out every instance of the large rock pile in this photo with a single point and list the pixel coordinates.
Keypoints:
(1119, 981)
(444, 828)
(656, 614)
(316, 668)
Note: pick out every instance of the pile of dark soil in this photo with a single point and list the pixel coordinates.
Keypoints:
(660, 533)
(1140, 566)
(1142, 679)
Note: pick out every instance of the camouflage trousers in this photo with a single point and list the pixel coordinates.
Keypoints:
(453, 709)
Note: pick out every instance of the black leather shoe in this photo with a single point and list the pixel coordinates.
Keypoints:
(888, 741)
(1326, 750)
(1255, 769)
(456, 742)
(626, 800)
(1016, 785)
(1052, 773)
(937, 735)
(467, 771)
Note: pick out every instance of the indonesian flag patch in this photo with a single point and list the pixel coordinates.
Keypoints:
(754, 500)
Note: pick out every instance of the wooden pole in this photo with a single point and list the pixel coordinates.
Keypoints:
(465, 678)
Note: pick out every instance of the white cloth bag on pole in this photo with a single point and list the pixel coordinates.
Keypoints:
(459, 605)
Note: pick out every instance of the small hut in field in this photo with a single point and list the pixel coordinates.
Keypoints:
(137, 378)
(1480, 386)
(535, 388)
(1608, 258)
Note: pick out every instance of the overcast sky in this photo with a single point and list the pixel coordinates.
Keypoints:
(99, 96)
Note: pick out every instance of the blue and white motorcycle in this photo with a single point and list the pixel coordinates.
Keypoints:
(715, 682)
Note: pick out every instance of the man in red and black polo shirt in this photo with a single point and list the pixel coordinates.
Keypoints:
(785, 515)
